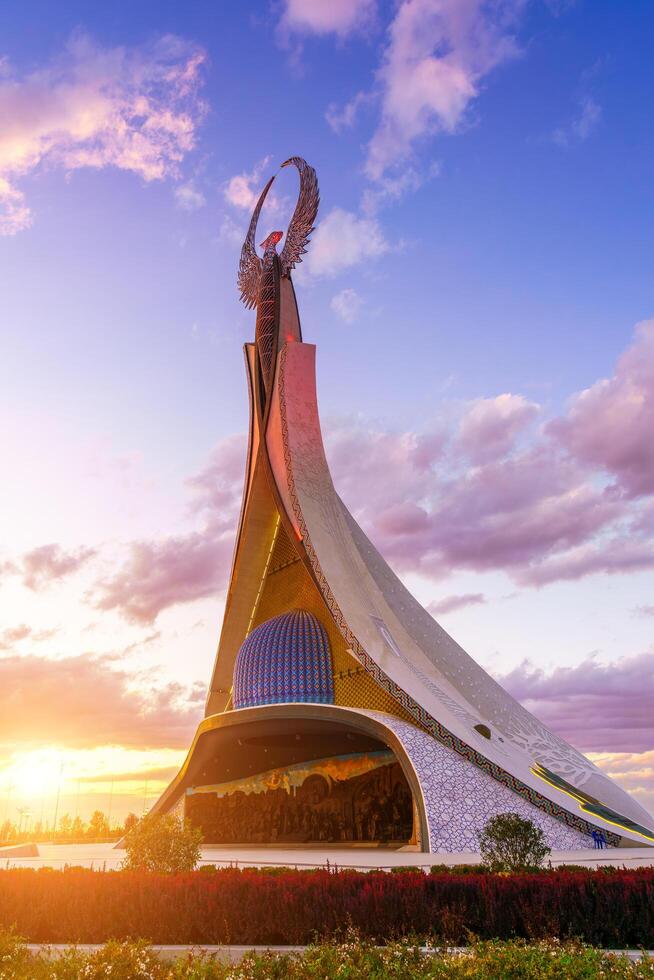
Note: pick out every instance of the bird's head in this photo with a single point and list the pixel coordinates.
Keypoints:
(272, 239)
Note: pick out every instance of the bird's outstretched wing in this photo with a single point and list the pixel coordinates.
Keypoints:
(301, 226)
(249, 267)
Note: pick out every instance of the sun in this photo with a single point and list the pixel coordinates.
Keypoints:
(35, 773)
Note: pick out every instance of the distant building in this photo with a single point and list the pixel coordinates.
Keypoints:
(339, 711)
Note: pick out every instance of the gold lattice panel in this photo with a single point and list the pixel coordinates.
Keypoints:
(288, 586)
(284, 552)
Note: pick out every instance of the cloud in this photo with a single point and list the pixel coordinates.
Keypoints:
(592, 705)
(243, 190)
(388, 190)
(489, 427)
(508, 513)
(340, 17)
(437, 55)
(634, 771)
(532, 503)
(347, 304)
(643, 611)
(159, 574)
(15, 634)
(588, 117)
(453, 602)
(158, 774)
(231, 232)
(617, 555)
(610, 424)
(345, 118)
(342, 240)
(136, 109)
(49, 563)
(189, 198)
(86, 701)
(182, 568)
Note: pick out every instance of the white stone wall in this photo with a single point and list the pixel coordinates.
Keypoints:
(460, 798)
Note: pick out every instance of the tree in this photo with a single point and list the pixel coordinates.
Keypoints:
(510, 843)
(78, 829)
(65, 825)
(98, 825)
(130, 821)
(162, 843)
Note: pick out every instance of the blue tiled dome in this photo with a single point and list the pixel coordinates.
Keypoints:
(285, 659)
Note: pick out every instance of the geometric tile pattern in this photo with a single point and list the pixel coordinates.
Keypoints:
(460, 799)
(284, 659)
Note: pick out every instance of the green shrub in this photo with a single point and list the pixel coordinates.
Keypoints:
(162, 843)
(510, 843)
(458, 869)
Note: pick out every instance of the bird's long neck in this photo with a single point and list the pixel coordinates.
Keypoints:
(267, 329)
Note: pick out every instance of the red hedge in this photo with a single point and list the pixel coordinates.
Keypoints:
(232, 906)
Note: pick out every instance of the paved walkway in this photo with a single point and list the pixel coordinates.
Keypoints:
(108, 857)
(233, 954)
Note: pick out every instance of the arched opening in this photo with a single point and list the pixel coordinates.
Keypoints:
(303, 782)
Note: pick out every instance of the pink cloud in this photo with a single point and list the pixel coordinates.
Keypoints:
(490, 426)
(451, 603)
(86, 701)
(511, 513)
(436, 57)
(218, 485)
(16, 634)
(242, 190)
(617, 556)
(49, 563)
(592, 705)
(136, 109)
(185, 567)
(533, 504)
(344, 239)
(160, 574)
(340, 17)
(610, 425)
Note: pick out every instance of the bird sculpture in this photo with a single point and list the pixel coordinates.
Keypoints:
(259, 278)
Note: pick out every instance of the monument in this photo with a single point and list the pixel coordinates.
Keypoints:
(339, 711)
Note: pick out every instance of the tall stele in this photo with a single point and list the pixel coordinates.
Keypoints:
(327, 664)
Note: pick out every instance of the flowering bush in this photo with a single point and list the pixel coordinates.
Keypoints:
(295, 907)
(351, 958)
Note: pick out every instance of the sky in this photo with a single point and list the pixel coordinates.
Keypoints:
(479, 287)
